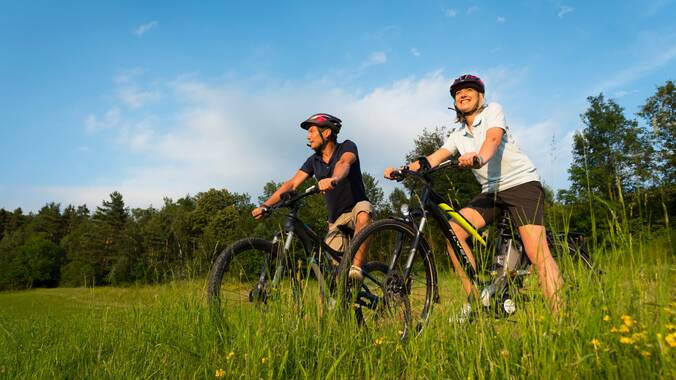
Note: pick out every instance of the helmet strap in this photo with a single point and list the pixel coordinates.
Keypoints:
(321, 147)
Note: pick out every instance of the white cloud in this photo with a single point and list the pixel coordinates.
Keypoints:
(135, 97)
(109, 120)
(144, 28)
(450, 12)
(415, 52)
(637, 71)
(229, 136)
(501, 19)
(543, 144)
(375, 58)
(472, 9)
(563, 10)
(232, 137)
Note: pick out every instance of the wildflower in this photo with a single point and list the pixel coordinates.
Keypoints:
(504, 354)
(628, 320)
(646, 354)
(541, 318)
(379, 341)
(613, 329)
(264, 360)
(230, 355)
(220, 373)
(639, 335)
(606, 318)
(624, 329)
(671, 340)
(671, 326)
(596, 343)
(626, 340)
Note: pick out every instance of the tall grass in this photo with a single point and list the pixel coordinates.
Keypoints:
(619, 321)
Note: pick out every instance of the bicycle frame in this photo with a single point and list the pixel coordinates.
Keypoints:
(296, 228)
(441, 211)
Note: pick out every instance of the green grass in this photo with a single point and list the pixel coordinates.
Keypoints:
(168, 332)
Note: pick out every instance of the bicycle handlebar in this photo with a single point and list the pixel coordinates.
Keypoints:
(290, 198)
(426, 169)
(399, 175)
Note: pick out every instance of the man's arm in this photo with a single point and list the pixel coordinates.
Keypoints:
(291, 184)
(340, 171)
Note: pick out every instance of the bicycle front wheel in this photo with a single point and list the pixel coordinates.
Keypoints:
(408, 293)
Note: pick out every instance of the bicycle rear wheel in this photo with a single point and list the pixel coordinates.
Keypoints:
(570, 245)
(406, 302)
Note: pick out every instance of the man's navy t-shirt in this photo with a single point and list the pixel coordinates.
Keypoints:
(349, 191)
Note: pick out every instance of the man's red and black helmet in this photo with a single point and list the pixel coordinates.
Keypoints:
(467, 81)
(322, 120)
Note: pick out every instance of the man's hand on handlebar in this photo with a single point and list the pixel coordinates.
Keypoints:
(327, 184)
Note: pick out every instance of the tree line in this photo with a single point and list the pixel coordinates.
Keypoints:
(621, 178)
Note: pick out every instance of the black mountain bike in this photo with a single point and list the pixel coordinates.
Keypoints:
(252, 271)
(410, 287)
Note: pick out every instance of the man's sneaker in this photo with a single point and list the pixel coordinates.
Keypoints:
(356, 273)
(465, 315)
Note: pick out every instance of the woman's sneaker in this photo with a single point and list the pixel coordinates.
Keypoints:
(355, 273)
(465, 315)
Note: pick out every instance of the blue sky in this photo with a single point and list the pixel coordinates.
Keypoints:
(158, 99)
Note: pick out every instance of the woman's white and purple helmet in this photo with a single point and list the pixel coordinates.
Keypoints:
(467, 81)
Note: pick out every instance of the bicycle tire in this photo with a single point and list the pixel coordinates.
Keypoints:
(573, 246)
(243, 275)
(250, 284)
(407, 302)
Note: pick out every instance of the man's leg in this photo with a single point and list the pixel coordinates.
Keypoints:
(362, 220)
(477, 221)
(534, 240)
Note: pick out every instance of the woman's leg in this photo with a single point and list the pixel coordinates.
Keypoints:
(534, 240)
(477, 221)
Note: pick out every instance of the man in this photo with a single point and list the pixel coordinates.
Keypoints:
(336, 167)
(508, 179)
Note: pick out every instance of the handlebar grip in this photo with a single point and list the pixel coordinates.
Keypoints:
(398, 175)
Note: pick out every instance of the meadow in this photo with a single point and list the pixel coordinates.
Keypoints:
(620, 323)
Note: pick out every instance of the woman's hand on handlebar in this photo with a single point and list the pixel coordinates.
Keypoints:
(391, 173)
(470, 160)
(388, 172)
(259, 212)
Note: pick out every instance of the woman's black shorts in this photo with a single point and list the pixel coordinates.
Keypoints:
(525, 203)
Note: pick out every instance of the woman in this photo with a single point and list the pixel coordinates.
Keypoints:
(508, 179)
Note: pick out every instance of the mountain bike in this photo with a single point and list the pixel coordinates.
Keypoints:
(410, 287)
(253, 271)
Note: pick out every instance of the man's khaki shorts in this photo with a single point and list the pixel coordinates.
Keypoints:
(335, 238)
